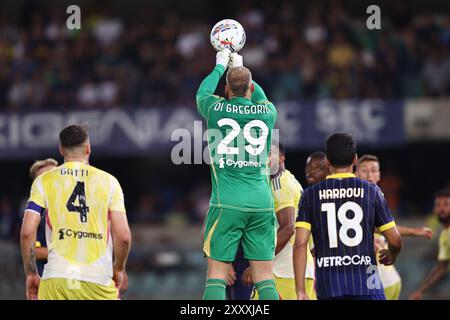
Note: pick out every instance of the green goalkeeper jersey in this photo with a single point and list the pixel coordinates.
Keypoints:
(239, 138)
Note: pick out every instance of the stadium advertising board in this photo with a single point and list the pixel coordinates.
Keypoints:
(134, 131)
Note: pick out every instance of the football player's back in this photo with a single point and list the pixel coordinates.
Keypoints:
(342, 213)
(348, 211)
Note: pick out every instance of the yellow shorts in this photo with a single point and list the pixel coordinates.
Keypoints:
(70, 289)
(310, 289)
(393, 292)
(286, 289)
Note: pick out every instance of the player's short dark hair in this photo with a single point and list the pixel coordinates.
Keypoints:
(340, 149)
(239, 80)
(442, 193)
(73, 135)
(367, 158)
(317, 155)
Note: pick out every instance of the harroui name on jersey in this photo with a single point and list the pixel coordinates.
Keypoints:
(341, 193)
(232, 108)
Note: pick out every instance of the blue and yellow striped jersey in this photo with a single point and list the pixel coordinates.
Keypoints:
(342, 213)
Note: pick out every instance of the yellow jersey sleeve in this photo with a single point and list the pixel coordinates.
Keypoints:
(37, 194)
(444, 245)
(288, 194)
(117, 202)
(310, 243)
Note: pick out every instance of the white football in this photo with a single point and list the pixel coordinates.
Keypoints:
(229, 34)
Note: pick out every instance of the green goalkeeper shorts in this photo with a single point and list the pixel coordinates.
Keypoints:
(225, 228)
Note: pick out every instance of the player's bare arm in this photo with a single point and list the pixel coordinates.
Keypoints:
(423, 232)
(27, 242)
(389, 256)
(286, 222)
(122, 242)
(439, 270)
(300, 255)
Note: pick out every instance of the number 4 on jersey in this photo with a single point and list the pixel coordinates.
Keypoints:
(82, 208)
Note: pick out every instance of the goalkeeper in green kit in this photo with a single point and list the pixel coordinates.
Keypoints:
(241, 206)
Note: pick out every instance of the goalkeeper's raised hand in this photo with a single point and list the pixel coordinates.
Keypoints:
(236, 60)
(223, 57)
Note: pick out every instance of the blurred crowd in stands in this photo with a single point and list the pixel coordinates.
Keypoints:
(160, 57)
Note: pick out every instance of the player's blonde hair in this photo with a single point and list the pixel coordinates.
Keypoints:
(39, 164)
(239, 80)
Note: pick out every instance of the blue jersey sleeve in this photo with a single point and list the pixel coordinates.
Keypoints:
(304, 213)
(383, 216)
(34, 207)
